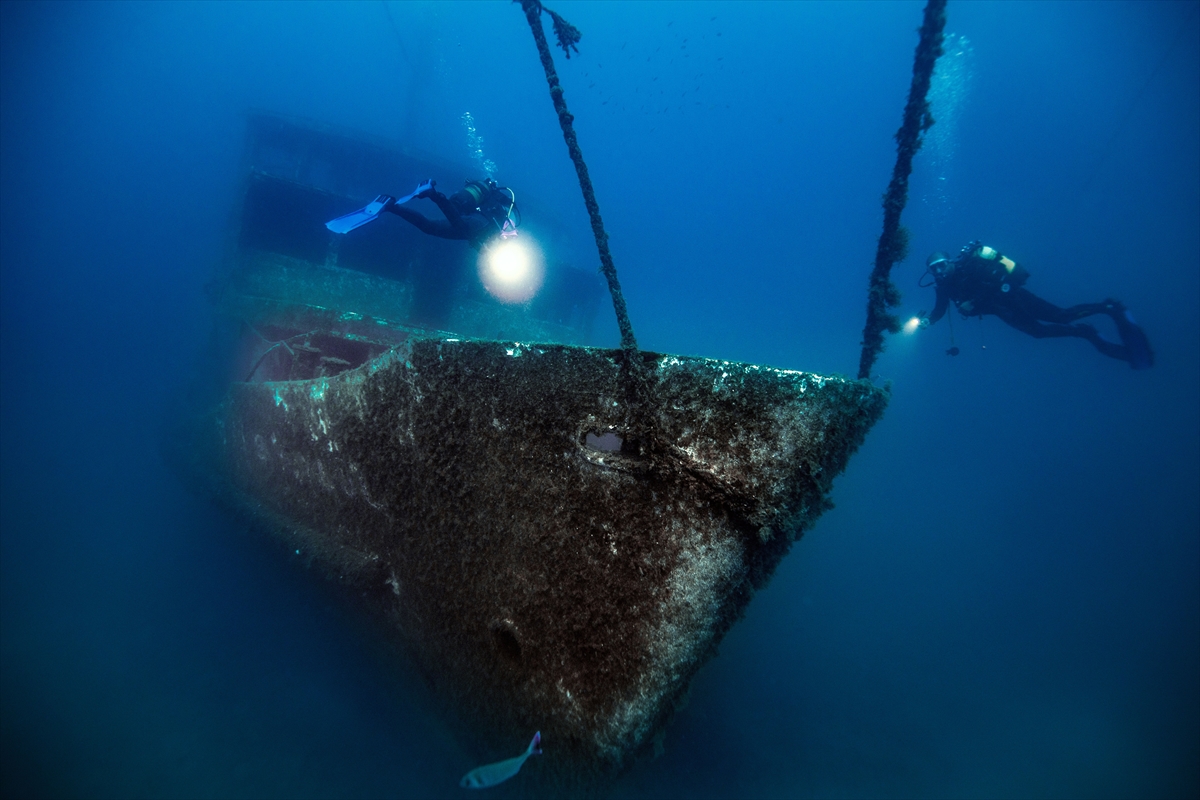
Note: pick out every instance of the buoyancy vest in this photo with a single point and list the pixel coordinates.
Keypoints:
(992, 268)
(485, 198)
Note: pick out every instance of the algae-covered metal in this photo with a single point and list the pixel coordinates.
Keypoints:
(542, 573)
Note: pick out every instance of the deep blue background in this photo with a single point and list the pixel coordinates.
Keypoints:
(1006, 600)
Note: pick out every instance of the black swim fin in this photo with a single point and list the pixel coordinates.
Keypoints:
(1141, 356)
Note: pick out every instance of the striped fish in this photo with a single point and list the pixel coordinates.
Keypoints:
(491, 774)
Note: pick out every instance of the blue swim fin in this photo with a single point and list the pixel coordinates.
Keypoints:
(349, 222)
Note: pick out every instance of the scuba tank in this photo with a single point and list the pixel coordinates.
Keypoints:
(489, 199)
(1003, 272)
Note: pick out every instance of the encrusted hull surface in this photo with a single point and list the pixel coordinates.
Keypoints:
(549, 562)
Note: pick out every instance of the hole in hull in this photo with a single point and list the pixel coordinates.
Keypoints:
(504, 637)
(607, 442)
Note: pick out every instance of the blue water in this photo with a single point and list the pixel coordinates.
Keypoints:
(1005, 601)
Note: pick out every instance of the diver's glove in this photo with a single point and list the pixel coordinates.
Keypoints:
(924, 319)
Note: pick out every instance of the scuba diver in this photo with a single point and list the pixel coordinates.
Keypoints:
(473, 214)
(983, 281)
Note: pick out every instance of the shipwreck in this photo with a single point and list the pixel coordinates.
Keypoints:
(554, 546)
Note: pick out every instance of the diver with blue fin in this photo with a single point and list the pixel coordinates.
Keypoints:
(983, 281)
(474, 214)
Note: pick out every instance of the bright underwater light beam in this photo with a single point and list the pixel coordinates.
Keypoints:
(512, 269)
(912, 325)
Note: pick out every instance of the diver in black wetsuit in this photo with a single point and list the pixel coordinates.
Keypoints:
(983, 281)
(474, 214)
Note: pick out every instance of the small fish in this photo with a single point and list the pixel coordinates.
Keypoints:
(491, 774)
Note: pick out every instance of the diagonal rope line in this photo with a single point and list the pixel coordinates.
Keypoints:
(567, 36)
(882, 294)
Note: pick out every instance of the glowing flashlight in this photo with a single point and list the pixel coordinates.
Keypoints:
(512, 269)
(912, 325)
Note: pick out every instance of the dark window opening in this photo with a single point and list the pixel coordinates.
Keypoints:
(287, 218)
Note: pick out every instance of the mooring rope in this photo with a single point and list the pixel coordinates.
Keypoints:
(640, 431)
(882, 294)
(568, 35)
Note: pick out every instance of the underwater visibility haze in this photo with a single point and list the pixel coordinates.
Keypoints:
(1005, 599)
